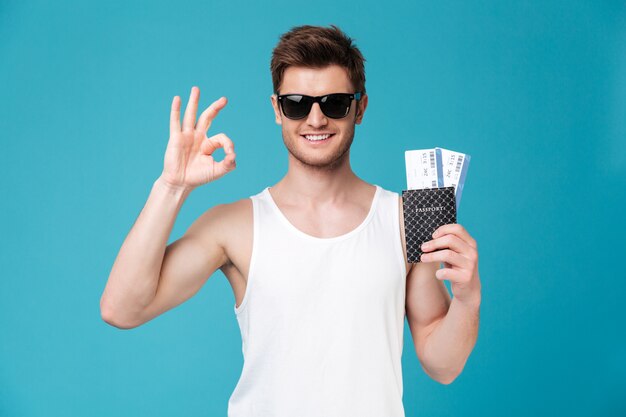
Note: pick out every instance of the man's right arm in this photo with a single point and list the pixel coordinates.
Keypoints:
(148, 277)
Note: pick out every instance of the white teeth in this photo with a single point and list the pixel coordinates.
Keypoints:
(317, 137)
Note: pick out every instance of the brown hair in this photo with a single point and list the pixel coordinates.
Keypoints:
(317, 47)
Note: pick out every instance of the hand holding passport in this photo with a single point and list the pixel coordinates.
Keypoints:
(435, 179)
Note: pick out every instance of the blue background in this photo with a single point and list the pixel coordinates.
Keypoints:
(534, 91)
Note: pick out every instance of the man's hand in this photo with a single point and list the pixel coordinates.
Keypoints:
(458, 251)
(188, 160)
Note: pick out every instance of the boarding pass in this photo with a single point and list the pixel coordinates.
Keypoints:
(436, 168)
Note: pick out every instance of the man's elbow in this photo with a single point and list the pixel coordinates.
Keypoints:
(448, 379)
(445, 377)
(119, 325)
(108, 316)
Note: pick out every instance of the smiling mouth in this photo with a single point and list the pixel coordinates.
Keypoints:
(318, 138)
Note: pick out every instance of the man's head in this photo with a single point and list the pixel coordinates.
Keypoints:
(316, 61)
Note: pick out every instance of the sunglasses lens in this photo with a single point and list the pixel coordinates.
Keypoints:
(336, 106)
(296, 106)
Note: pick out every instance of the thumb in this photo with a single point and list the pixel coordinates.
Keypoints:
(218, 169)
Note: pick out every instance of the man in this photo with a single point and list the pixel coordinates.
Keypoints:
(317, 262)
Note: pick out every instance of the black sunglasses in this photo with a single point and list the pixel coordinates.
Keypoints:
(335, 106)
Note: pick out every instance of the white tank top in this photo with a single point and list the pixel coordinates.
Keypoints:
(322, 319)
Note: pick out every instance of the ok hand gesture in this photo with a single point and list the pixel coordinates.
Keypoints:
(188, 160)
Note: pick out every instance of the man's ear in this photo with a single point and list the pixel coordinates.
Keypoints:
(274, 100)
(360, 109)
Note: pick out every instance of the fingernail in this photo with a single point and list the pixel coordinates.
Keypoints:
(435, 234)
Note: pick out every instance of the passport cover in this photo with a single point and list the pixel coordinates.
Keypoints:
(424, 211)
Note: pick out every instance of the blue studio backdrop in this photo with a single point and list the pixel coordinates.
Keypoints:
(534, 91)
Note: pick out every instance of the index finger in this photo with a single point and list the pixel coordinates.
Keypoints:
(207, 116)
(455, 229)
(189, 118)
(175, 116)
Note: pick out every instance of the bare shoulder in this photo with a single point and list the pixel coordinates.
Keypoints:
(224, 220)
(237, 217)
(230, 226)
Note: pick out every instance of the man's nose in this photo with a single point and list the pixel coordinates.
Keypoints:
(316, 117)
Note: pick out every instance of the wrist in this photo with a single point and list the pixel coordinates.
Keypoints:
(172, 189)
(471, 302)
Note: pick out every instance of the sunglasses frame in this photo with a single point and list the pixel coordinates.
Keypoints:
(318, 99)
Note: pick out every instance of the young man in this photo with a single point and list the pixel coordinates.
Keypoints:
(317, 261)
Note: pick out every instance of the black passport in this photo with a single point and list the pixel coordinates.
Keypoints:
(425, 210)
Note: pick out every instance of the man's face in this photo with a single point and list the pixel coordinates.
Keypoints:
(327, 153)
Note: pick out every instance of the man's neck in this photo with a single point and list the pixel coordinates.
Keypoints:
(308, 185)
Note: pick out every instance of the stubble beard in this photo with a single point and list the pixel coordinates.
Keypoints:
(329, 162)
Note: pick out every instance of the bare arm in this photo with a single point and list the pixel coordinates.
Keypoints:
(148, 278)
(427, 302)
(444, 330)
(451, 341)
(133, 280)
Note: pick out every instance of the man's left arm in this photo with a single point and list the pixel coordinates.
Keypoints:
(445, 331)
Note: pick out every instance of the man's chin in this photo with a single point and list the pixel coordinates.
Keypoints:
(323, 164)
(319, 158)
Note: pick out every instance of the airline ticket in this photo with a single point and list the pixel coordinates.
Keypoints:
(436, 168)
(421, 169)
